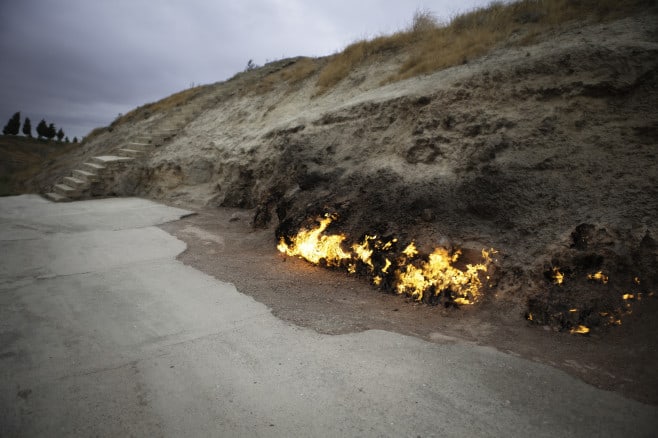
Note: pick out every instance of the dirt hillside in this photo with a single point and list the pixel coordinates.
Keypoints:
(544, 151)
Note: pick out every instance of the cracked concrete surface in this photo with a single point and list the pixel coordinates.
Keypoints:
(104, 333)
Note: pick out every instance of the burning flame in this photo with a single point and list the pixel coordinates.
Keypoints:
(410, 250)
(598, 276)
(558, 277)
(581, 329)
(438, 274)
(315, 246)
(415, 278)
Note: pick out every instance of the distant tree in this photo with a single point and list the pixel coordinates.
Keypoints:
(67, 139)
(75, 139)
(52, 131)
(13, 126)
(27, 127)
(42, 129)
(60, 134)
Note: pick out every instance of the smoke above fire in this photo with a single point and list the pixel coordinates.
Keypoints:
(436, 277)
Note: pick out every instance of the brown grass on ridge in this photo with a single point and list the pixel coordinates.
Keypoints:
(291, 75)
(434, 47)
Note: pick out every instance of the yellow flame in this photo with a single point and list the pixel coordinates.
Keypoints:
(598, 276)
(573, 310)
(580, 329)
(314, 246)
(627, 296)
(437, 274)
(529, 316)
(363, 251)
(410, 250)
(558, 277)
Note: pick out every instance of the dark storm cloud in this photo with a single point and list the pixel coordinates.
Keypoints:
(78, 63)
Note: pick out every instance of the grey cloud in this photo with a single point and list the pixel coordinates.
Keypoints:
(80, 62)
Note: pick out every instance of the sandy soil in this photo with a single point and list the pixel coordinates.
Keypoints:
(222, 243)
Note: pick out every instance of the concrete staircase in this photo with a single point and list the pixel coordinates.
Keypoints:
(91, 174)
(88, 179)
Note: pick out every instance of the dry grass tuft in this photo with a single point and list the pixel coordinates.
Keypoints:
(175, 100)
(143, 112)
(291, 75)
(341, 64)
(433, 47)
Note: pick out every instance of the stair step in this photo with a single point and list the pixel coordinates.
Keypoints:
(131, 152)
(85, 175)
(75, 182)
(94, 167)
(66, 190)
(56, 197)
(110, 159)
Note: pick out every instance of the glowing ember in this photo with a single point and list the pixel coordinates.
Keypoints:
(581, 329)
(598, 276)
(410, 250)
(627, 296)
(417, 279)
(558, 277)
(636, 280)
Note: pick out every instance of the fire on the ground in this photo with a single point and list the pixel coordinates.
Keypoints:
(405, 272)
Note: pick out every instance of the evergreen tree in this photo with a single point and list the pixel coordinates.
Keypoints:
(60, 134)
(13, 126)
(52, 131)
(42, 129)
(27, 127)
(75, 139)
(67, 139)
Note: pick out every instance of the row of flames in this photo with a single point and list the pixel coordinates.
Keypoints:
(405, 272)
(613, 318)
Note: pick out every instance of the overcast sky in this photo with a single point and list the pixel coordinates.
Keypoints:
(79, 63)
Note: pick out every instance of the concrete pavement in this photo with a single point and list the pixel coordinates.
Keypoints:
(104, 333)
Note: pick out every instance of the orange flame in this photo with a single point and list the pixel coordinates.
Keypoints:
(439, 274)
(558, 277)
(581, 329)
(314, 246)
(435, 275)
(598, 276)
